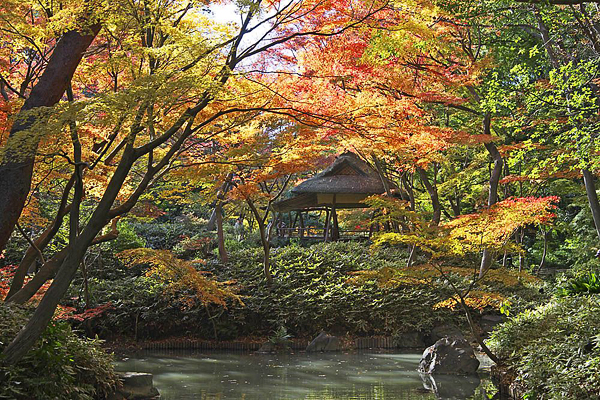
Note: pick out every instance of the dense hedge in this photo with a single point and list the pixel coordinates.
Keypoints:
(60, 366)
(311, 291)
(554, 349)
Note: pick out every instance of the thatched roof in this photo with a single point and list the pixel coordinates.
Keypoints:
(348, 178)
(347, 174)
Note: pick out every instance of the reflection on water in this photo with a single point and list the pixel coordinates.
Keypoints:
(362, 376)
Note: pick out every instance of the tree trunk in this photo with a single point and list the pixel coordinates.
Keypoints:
(301, 224)
(475, 331)
(266, 253)
(409, 189)
(210, 226)
(335, 234)
(16, 167)
(545, 251)
(45, 310)
(49, 269)
(521, 257)
(411, 255)
(327, 233)
(264, 239)
(487, 257)
(220, 235)
(34, 328)
(592, 196)
(433, 194)
(381, 173)
(33, 252)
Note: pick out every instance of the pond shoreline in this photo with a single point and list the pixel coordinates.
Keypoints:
(127, 345)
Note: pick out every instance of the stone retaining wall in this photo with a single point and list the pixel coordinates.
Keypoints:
(295, 344)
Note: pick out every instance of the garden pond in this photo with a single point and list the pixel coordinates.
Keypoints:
(322, 376)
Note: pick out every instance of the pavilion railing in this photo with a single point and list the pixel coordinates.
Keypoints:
(315, 232)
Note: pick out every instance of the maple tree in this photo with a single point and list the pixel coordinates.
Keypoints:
(433, 78)
(476, 114)
(379, 85)
(258, 162)
(48, 44)
(181, 276)
(490, 229)
(170, 77)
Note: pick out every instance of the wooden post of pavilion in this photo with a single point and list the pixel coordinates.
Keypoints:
(301, 224)
(327, 225)
(335, 234)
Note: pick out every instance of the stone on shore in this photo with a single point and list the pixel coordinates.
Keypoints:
(135, 386)
(324, 342)
(453, 355)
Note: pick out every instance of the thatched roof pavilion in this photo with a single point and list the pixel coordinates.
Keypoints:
(343, 184)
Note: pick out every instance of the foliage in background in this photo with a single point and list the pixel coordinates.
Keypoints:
(580, 284)
(499, 289)
(311, 292)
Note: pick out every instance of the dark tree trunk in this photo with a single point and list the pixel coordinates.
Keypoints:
(409, 189)
(335, 234)
(40, 243)
(32, 331)
(264, 239)
(301, 224)
(220, 235)
(592, 196)
(48, 270)
(210, 226)
(45, 310)
(16, 167)
(411, 255)
(433, 194)
(327, 235)
(487, 257)
(545, 251)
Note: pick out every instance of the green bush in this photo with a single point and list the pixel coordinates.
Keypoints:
(310, 292)
(554, 348)
(577, 283)
(60, 366)
(127, 239)
(139, 308)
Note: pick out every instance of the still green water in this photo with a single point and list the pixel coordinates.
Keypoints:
(355, 376)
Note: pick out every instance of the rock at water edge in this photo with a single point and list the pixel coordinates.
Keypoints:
(449, 356)
(324, 342)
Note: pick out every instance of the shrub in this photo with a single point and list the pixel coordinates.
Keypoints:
(586, 283)
(554, 348)
(311, 291)
(315, 287)
(60, 366)
(127, 239)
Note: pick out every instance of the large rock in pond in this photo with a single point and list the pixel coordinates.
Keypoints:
(452, 355)
(135, 386)
(324, 342)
